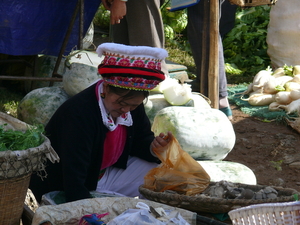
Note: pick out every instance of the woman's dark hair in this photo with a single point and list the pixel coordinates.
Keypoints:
(127, 93)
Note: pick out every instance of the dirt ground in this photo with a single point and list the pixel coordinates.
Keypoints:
(271, 150)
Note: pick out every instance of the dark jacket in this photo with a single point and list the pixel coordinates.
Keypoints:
(77, 134)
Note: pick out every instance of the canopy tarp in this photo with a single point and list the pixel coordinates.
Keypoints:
(39, 27)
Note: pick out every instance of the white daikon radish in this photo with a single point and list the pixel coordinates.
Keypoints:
(260, 79)
(294, 106)
(296, 78)
(295, 94)
(283, 79)
(283, 97)
(279, 72)
(274, 106)
(257, 92)
(249, 89)
(270, 86)
(296, 70)
(289, 86)
(261, 99)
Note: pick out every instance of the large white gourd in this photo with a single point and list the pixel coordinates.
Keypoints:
(283, 33)
(38, 106)
(229, 171)
(206, 134)
(81, 72)
(156, 102)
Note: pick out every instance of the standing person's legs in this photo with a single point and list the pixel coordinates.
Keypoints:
(196, 31)
(223, 100)
(142, 26)
(227, 20)
(145, 26)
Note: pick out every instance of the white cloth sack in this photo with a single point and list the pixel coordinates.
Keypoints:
(70, 213)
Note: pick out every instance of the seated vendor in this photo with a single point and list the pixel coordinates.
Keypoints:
(103, 135)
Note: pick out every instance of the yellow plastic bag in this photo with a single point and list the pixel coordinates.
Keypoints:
(178, 172)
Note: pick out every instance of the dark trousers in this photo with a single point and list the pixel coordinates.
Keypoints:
(197, 29)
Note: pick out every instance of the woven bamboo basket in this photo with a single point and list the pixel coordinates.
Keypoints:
(215, 205)
(282, 213)
(13, 192)
(16, 168)
(250, 3)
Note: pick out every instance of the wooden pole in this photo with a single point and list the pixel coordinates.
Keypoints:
(213, 70)
(205, 49)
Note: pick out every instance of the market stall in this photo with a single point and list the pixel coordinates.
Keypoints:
(29, 28)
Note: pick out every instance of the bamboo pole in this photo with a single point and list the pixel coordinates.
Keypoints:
(205, 49)
(213, 70)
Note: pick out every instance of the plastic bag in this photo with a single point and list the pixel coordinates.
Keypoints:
(178, 172)
(143, 215)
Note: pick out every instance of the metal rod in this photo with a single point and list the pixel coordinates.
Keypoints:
(81, 24)
(54, 79)
(66, 39)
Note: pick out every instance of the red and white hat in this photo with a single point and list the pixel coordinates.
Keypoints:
(131, 67)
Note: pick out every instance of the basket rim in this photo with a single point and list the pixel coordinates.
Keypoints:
(163, 195)
(283, 206)
(287, 210)
(17, 178)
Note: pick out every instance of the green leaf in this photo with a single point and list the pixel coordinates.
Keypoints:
(19, 140)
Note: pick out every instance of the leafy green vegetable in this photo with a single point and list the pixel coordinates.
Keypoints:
(288, 70)
(245, 45)
(232, 69)
(279, 88)
(19, 140)
(102, 17)
(174, 22)
(169, 32)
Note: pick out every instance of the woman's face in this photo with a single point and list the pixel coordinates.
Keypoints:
(116, 107)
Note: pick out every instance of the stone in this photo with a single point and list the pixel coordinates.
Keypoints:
(295, 165)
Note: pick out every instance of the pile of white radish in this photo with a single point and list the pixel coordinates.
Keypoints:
(280, 90)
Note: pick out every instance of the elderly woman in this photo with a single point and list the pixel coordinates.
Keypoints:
(103, 135)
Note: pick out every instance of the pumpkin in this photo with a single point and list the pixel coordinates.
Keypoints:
(38, 106)
(206, 134)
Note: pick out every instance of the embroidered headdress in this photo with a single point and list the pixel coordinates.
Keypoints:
(131, 67)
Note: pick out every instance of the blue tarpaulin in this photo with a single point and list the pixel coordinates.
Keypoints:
(39, 26)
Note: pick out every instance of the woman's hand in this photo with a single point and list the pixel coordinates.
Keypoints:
(117, 11)
(106, 4)
(160, 142)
